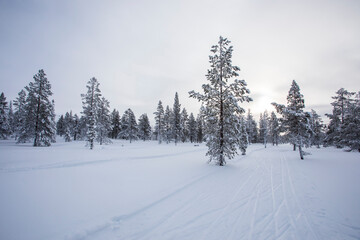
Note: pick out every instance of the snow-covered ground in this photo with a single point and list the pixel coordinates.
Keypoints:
(145, 190)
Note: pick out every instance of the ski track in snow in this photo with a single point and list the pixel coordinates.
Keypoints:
(263, 182)
(258, 196)
(71, 164)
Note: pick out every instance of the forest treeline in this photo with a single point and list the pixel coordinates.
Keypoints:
(171, 124)
(220, 122)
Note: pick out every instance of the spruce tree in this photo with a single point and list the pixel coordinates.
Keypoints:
(19, 114)
(60, 126)
(350, 128)
(191, 126)
(176, 119)
(184, 130)
(144, 127)
(68, 126)
(317, 127)
(11, 118)
(39, 122)
(159, 122)
(115, 124)
(199, 129)
(295, 121)
(168, 127)
(274, 129)
(4, 118)
(244, 138)
(341, 108)
(221, 101)
(77, 127)
(103, 123)
(264, 128)
(129, 126)
(90, 105)
(251, 128)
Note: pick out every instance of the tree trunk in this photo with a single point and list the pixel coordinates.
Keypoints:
(36, 138)
(294, 147)
(221, 160)
(301, 153)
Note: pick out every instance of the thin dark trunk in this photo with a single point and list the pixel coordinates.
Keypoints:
(36, 139)
(222, 160)
(301, 153)
(294, 147)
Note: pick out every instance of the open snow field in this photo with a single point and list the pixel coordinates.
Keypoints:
(145, 190)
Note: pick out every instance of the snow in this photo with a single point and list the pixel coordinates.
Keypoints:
(145, 190)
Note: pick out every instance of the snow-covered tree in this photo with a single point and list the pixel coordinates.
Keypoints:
(20, 113)
(159, 122)
(221, 101)
(176, 119)
(11, 118)
(77, 127)
(60, 126)
(244, 138)
(199, 129)
(264, 128)
(350, 128)
(251, 128)
(144, 127)
(341, 108)
(295, 121)
(168, 124)
(53, 121)
(103, 122)
(115, 124)
(39, 119)
(83, 128)
(90, 105)
(274, 126)
(317, 127)
(129, 126)
(5, 129)
(191, 126)
(184, 131)
(68, 126)
(342, 102)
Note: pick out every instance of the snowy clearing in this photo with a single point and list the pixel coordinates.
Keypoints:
(145, 190)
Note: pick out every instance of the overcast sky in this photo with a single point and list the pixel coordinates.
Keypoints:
(144, 51)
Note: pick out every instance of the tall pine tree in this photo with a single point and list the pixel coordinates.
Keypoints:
(295, 121)
(5, 129)
(176, 119)
(144, 127)
(159, 122)
(221, 100)
(274, 129)
(19, 114)
(103, 123)
(90, 102)
(115, 124)
(39, 111)
(129, 126)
